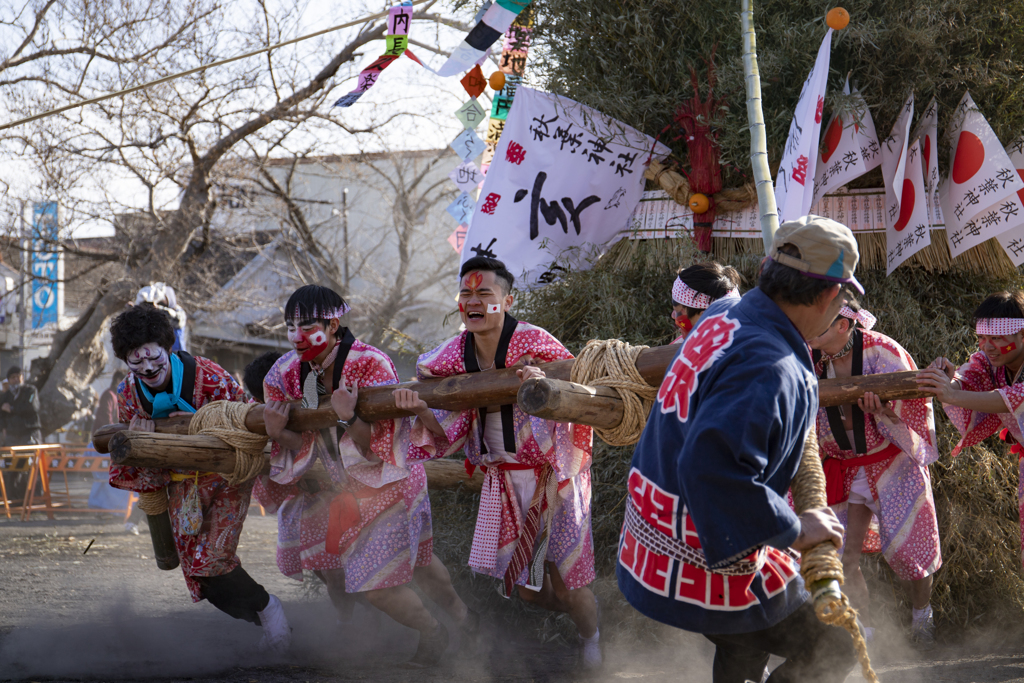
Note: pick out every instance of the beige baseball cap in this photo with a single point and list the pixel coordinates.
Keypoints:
(828, 250)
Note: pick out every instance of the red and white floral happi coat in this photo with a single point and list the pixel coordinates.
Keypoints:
(212, 551)
(908, 531)
(978, 374)
(374, 522)
(565, 447)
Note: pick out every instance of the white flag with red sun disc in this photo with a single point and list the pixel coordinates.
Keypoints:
(849, 148)
(980, 195)
(909, 233)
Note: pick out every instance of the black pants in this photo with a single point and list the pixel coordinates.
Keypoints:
(814, 652)
(236, 594)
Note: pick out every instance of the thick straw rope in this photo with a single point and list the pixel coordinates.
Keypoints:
(612, 363)
(226, 421)
(821, 563)
(678, 188)
(153, 502)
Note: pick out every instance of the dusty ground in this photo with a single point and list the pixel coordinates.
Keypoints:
(110, 614)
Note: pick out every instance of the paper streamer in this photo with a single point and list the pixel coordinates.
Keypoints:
(462, 208)
(513, 65)
(495, 21)
(468, 145)
(471, 114)
(399, 18)
(466, 176)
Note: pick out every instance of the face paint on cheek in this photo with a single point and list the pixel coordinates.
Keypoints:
(1009, 348)
(317, 343)
(493, 308)
(462, 308)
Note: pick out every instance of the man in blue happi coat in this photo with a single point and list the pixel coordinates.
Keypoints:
(708, 537)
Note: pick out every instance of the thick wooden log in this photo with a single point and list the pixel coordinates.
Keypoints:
(891, 386)
(553, 399)
(601, 407)
(459, 392)
(210, 454)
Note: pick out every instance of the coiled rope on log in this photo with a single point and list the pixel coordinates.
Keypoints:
(612, 363)
(226, 421)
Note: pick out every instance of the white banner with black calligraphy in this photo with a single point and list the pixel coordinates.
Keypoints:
(794, 186)
(928, 133)
(1013, 239)
(980, 195)
(564, 182)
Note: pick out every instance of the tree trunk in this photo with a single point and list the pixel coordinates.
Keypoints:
(76, 358)
(210, 454)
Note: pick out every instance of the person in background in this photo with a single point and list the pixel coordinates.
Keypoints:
(696, 288)
(162, 296)
(103, 496)
(19, 410)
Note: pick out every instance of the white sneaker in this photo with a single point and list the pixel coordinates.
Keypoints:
(277, 634)
(131, 528)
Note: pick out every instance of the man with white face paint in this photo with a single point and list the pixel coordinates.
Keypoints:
(533, 529)
(368, 531)
(206, 512)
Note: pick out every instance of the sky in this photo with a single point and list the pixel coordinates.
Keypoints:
(403, 86)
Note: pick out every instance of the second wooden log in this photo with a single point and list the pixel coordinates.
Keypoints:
(601, 407)
(210, 454)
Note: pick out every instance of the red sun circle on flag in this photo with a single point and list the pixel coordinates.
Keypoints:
(832, 137)
(906, 204)
(970, 155)
(926, 149)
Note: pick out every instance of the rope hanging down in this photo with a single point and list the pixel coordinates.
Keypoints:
(821, 565)
(226, 421)
(612, 363)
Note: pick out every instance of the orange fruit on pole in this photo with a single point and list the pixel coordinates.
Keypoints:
(837, 18)
(699, 203)
(497, 80)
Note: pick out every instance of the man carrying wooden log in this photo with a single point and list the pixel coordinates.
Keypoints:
(986, 393)
(533, 528)
(206, 512)
(876, 456)
(369, 531)
(707, 524)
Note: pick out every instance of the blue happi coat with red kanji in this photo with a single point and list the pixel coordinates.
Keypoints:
(703, 547)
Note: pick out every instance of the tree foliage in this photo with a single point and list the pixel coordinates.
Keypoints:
(631, 59)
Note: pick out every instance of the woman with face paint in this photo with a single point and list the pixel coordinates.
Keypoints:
(206, 512)
(368, 531)
(985, 395)
(696, 288)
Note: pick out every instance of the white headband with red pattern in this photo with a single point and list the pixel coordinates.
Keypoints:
(324, 314)
(863, 316)
(999, 327)
(684, 295)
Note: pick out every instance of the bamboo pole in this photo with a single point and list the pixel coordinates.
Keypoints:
(758, 136)
(210, 454)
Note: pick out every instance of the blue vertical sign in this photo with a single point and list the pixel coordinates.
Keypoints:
(47, 266)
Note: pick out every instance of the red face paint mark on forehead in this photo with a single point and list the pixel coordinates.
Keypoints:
(474, 280)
